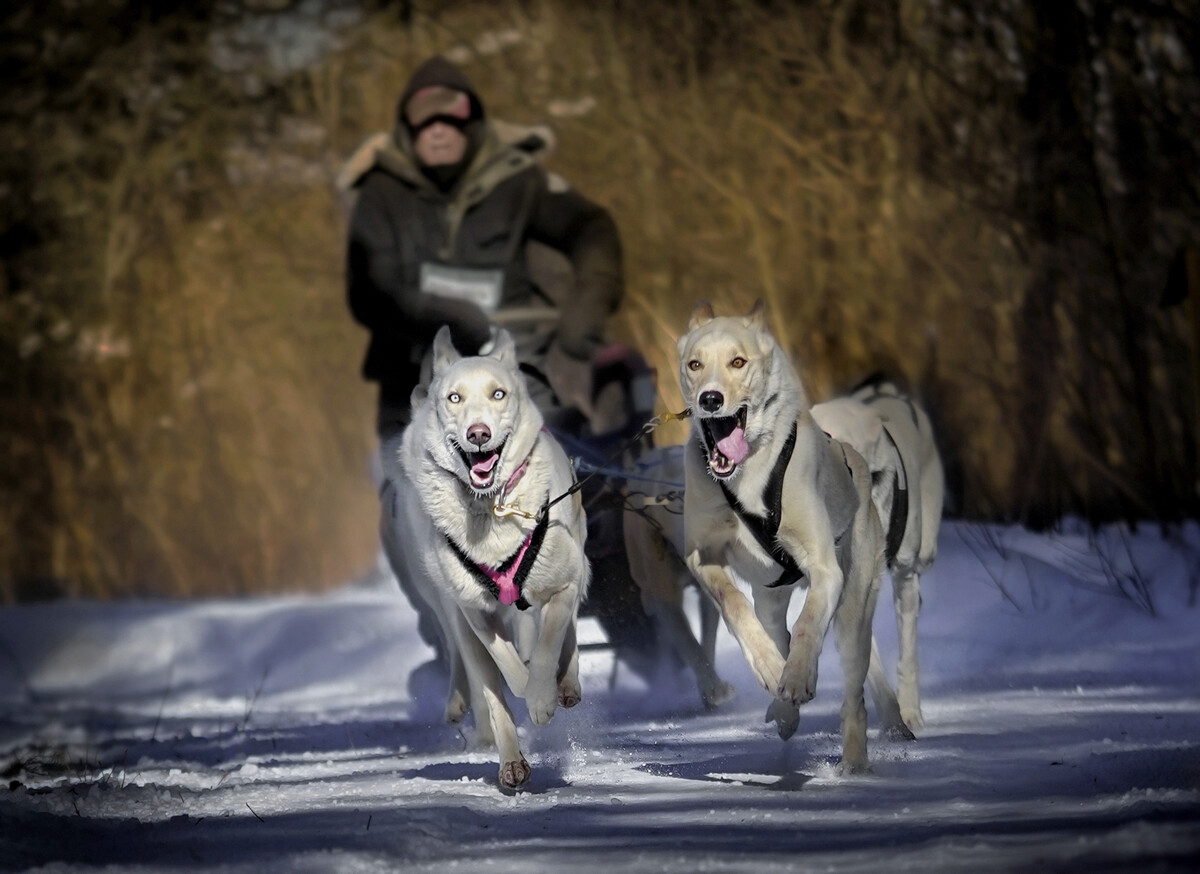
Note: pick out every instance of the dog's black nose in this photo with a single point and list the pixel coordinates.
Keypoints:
(479, 434)
(711, 401)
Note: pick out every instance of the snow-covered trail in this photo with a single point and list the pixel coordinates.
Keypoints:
(1062, 733)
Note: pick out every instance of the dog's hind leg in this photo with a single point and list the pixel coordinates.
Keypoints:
(716, 695)
(855, 642)
(467, 696)
(484, 674)
(570, 692)
(885, 699)
(458, 701)
(487, 630)
(906, 592)
(710, 620)
(674, 626)
(852, 634)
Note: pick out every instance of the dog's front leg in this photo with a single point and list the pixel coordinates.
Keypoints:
(771, 607)
(483, 672)
(799, 681)
(541, 692)
(738, 612)
(486, 627)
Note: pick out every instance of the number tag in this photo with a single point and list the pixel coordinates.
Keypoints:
(480, 287)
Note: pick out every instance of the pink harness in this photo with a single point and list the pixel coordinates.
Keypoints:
(505, 580)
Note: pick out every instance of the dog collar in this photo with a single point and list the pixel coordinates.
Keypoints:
(500, 509)
(515, 478)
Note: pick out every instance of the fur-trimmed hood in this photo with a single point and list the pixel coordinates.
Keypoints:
(383, 151)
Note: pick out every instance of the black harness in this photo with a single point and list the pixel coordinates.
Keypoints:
(527, 554)
(766, 528)
(898, 522)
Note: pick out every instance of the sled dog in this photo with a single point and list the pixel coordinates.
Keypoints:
(893, 433)
(773, 500)
(654, 541)
(479, 468)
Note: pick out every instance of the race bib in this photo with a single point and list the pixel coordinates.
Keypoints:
(480, 287)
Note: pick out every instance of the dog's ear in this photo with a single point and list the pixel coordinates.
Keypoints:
(701, 314)
(504, 348)
(757, 317)
(418, 397)
(444, 353)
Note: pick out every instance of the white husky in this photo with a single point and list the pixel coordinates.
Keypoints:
(479, 471)
(772, 499)
(894, 435)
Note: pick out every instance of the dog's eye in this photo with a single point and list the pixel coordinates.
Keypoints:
(694, 365)
(738, 362)
(498, 394)
(454, 397)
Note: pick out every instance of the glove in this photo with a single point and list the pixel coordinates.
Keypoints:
(490, 343)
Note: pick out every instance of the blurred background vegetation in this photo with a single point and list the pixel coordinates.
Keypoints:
(984, 199)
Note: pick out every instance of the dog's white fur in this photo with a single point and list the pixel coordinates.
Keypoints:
(654, 541)
(828, 526)
(441, 500)
(893, 433)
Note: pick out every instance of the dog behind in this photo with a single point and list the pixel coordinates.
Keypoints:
(654, 539)
(893, 433)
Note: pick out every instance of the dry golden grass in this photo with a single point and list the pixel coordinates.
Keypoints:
(225, 450)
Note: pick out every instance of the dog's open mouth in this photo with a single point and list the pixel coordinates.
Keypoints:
(482, 466)
(726, 440)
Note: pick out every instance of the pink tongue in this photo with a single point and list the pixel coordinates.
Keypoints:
(734, 447)
(480, 468)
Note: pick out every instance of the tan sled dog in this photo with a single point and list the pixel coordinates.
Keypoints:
(478, 468)
(772, 499)
(893, 433)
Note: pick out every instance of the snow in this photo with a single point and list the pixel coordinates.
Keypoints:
(1059, 682)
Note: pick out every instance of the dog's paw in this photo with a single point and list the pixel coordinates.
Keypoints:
(482, 738)
(513, 775)
(717, 694)
(456, 707)
(899, 732)
(850, 766)
(786, 717)
(799, 681)
(541, 694)
(912, 718)
(569, 693)
(541, 702)
(768, 668)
